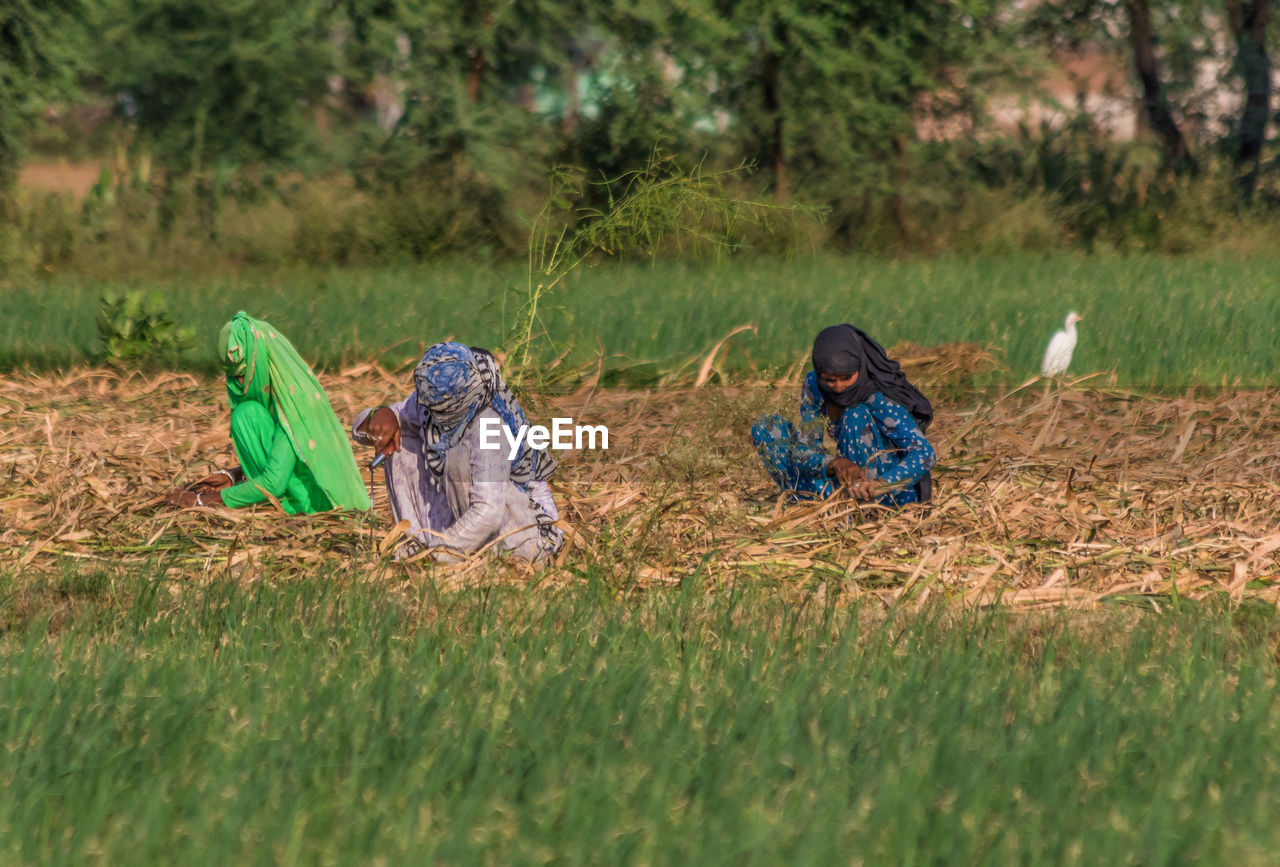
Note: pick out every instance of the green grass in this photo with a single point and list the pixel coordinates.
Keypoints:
(1153, 321)
(324, 722)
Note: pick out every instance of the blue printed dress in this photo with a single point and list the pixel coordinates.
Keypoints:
(878, 435)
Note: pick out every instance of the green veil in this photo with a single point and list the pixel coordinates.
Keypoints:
(277, 377)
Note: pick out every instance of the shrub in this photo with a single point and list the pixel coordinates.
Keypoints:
(137, 326)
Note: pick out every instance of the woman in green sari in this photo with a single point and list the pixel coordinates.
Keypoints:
(290, 444)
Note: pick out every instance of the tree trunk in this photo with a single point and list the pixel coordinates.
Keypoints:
(899, 193)
(772, 72)
(1249, 19)
(1154, 103)
(8, 175)
(569, 124)
(478, 63)
(474, 74)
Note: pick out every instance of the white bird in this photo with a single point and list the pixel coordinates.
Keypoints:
(1057, 355)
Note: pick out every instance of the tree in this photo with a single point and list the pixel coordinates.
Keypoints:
(216, 80)
(467, 72)
(1155, 104)
(1249, 20)
(829, 91)
(637, 75)
(39, 40)
(1167, 47)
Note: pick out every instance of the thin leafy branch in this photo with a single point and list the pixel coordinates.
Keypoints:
(645, 211)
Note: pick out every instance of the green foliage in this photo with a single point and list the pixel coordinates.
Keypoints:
(16, 256)
(466, 137)
(361, 131)
(40, 43)
(214, 81)
(829, 91)
(136, 326)
(1205, 320)
(639, 73)
(336, 720)
(644, 211)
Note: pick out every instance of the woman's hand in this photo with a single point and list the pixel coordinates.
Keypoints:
(863, 489)
(852, 477)
(383, 428)
(845, 472)
(188, 499)
(213, 483)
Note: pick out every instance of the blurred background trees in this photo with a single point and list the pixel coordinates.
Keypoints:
(372, 129)
(39, 44)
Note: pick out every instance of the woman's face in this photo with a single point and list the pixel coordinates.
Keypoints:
(838, 381)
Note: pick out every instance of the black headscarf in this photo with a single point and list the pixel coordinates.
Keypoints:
(844, 349)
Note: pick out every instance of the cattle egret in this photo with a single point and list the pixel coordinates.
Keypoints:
(1057, 356)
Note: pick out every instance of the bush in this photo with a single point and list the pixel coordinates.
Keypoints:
(259, 233)
(331, 222)
(16, 259)
(1000, 222)
(137, 326)
(1044, 192)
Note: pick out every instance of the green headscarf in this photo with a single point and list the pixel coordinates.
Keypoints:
(277, 377)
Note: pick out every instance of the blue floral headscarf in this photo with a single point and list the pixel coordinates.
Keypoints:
(454, 383)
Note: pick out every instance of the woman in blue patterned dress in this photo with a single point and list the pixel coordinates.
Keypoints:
(876, 417)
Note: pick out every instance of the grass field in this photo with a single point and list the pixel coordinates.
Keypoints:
(336, 721)
(1173, 322)
(1072, 657)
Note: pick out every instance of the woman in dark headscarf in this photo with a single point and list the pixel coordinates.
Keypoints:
(876, 417)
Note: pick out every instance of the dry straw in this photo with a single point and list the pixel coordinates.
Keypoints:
(1045, 495)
